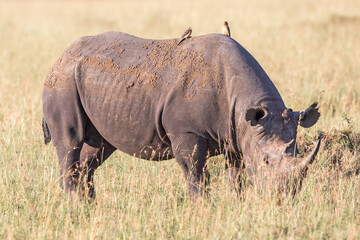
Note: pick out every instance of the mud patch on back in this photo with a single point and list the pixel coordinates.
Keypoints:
(196, 74)
(145, 72)
(148, 64)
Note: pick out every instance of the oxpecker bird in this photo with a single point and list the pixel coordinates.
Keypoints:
(185, 35)
(226, 29)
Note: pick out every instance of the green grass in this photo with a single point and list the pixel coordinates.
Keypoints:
(309, 49)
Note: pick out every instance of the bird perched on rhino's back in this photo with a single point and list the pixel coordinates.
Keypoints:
(226, 29)
(185, 35)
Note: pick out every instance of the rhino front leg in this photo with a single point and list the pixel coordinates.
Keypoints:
(190, 152)
(233, 170)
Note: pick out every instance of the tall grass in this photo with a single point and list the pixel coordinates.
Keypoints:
(309, 49)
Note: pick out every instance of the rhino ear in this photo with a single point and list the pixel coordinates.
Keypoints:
(255, 115)
(310, 116)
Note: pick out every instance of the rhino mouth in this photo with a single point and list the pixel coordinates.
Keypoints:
(302, 165)
(285, 177)
(298, 170)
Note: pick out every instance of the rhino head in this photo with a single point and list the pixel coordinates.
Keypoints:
(270, 152)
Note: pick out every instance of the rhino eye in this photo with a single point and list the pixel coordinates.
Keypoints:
(266, 160)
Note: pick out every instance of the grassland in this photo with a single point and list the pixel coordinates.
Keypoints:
(310, 49)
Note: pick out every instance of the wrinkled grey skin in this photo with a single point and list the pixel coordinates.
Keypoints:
(155, 100)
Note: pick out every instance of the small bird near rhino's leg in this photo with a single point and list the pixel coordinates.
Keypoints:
(185, 35)
(226, 29)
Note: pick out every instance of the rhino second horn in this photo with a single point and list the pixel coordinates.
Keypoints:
(304, 163)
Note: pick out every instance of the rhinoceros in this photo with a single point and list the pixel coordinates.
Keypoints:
(156, 100)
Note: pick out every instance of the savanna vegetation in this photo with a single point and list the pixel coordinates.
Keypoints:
(311, 51)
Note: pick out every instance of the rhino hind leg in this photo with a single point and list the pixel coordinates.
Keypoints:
(66, 121)
(93, 153)
(190, 152)
(91, 158)
(68, 143)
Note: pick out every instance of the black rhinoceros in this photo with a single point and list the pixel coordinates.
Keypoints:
(157, 100)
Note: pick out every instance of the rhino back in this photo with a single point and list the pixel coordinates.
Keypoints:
(136, 92)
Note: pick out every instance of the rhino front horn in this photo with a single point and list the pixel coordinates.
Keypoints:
(304, 163)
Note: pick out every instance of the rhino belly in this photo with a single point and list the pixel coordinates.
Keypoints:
(125, 115)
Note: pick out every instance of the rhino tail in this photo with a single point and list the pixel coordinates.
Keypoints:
(47, 135)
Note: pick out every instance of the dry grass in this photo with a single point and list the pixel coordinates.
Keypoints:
(309, 48)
